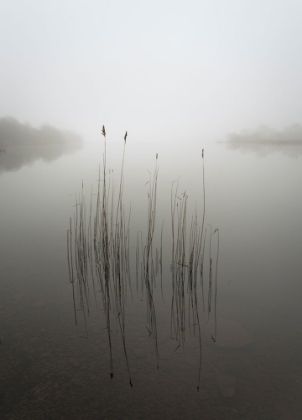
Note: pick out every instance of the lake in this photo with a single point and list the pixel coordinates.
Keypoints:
(251, 368)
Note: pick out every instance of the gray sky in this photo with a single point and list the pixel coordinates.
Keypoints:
(166, 69)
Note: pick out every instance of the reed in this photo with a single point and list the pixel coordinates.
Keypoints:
(149, 272)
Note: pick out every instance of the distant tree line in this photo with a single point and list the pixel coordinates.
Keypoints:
(13, 134)
(290, 135)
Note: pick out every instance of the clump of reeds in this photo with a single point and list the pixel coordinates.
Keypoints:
(187, 265)
(98, 254)
(104, 255)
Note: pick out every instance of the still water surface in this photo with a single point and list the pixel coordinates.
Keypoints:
(48, 370)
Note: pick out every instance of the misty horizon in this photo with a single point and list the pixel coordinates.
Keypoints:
(163, 69)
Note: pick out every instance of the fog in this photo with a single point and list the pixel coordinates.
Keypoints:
(158, 69)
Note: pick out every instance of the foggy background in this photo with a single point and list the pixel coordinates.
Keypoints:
(164, 70)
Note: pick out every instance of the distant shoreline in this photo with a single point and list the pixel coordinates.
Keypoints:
(265, 142)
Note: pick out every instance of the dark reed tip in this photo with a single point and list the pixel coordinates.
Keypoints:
(156, 156)
(103, 131)
(125, 137)
(130, 382)
(111, 375)
(202, 153)
(198, 388)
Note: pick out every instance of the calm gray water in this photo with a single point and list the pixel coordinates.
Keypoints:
(48, 370)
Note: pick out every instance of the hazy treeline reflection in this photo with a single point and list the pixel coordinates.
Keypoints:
(265, 140)
(22, 144)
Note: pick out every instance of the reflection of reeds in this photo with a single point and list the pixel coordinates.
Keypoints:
(149, 270)
(216, 285)
(70, 267)
(161, 260)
